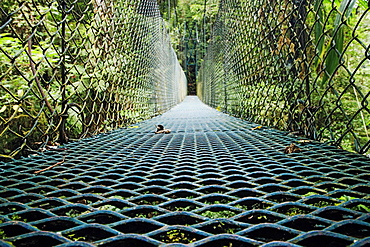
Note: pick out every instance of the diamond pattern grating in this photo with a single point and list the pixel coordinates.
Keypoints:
(213, 181)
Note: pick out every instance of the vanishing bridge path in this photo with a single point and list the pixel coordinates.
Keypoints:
(215, 180)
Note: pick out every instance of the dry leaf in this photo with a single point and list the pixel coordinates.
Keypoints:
(162, 130)
(165, 131)
(258, 127)
(292, 148)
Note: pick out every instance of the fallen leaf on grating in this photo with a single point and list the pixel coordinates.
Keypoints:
(292, 148)
(258, 127)
(162, 130)
(133, 127)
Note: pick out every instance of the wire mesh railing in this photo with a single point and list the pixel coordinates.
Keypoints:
(73, 68)
(301, 66)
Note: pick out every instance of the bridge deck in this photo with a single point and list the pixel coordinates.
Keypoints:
(213, 181)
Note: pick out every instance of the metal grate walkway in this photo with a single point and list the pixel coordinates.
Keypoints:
(213, 181)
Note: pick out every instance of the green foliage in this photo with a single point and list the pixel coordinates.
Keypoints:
(253, 206)
(303, 69)
(75, 213)
(177, 236)
(322, 204)
(188, 208)
(295, 211)
(74, 238)
(346, 198)
(190, 26)
(343, 198)
(218, 214)
(333, 28)
(362, 207)
(140, 215)
(359, 207)
(311, 193)
(222, 201)
(21, 98)
(15, 217)
(332, 53)
(2, 234)
(222, 226)
(73, 62)
(119, 197)
(147, 215)
(109, 207)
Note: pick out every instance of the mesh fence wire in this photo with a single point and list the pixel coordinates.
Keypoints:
(299, 65)
(73, 68)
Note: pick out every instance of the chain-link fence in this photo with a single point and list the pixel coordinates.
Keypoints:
(297, 65)
(73, 68)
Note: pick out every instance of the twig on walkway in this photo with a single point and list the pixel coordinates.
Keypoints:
(49, 167)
